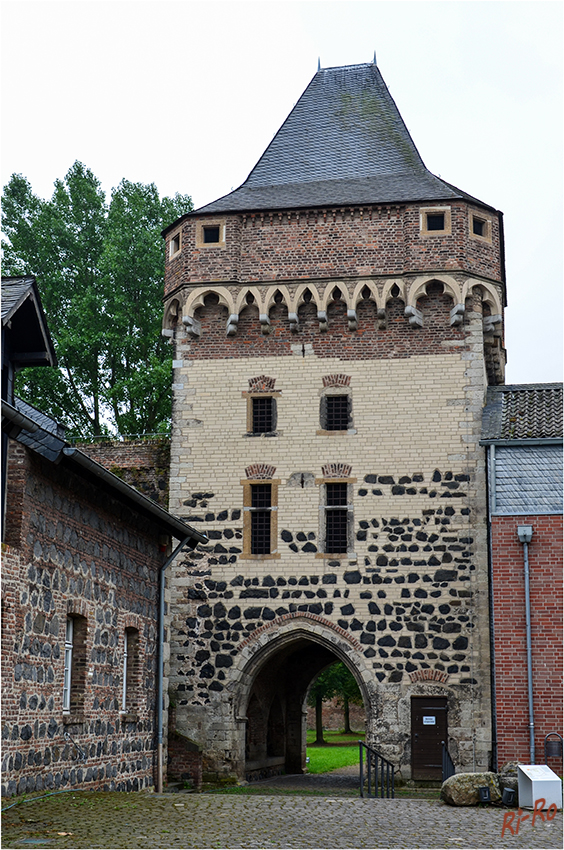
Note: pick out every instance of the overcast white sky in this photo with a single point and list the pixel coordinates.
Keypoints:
(188, 95)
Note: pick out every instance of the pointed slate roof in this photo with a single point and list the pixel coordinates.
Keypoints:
(343, 143)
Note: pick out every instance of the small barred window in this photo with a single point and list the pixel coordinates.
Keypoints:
(263, 415)
(261, 497)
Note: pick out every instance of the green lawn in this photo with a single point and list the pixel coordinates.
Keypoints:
(324, 759)
(335, 737)
(340, 750)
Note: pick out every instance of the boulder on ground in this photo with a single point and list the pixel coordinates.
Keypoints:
(507, 776)
(462, 788)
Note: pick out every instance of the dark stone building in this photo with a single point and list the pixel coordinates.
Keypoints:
(83, 555)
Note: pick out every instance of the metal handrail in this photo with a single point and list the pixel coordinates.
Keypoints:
(379, 773)
(448, 765)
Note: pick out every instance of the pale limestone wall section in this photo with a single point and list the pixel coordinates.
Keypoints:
(413, 415)
(403, 410)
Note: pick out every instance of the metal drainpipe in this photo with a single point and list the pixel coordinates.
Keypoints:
(525, 533)
(160, 665)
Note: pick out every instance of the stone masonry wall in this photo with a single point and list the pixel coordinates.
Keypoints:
(411, 593)
(72, 549)
(143, 464)
(545, 566)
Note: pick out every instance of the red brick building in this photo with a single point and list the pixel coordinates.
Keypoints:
(523, 432)
(82, 600)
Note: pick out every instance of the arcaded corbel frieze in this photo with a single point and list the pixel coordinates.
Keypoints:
(415, 316)
(232, 323)
(490, 294)
(322, 318)
(382, 319)
(457, 314)
(264, 320)
(490, 322)
(352, 319)
(192, 325)
(419, 288)
(294, 322)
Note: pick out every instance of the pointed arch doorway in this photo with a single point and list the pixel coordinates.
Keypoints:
(273, 692)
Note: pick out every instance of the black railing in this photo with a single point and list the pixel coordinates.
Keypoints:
(448, 764)
(379, 773)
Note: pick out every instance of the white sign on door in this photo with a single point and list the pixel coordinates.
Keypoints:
(429, 721)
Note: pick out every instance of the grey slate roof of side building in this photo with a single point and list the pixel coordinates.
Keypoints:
(344, 142)
(522, 412)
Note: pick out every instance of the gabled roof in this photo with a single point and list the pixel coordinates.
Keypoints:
(24, 322)
(40, 434)
(523, 412)
(343, 143)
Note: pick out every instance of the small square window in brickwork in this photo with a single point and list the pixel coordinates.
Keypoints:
(211, 234)
(175, 244)
(435, 221)
(478, 226)
(261, 495)
(263, 415)
(337, 413)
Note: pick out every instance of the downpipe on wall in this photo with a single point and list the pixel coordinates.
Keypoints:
(160, 662)
(525, 534)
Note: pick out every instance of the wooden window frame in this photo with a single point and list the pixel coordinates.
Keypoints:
(248, 484)
(322, 482)
(75, 667)
(252, 395)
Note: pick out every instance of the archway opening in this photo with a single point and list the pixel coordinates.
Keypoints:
(276, 713)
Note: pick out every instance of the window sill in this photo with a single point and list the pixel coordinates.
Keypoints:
(323, 433)
(73, 719)
(342, 556)
(128, 716)
(246, 556)
(262, 434)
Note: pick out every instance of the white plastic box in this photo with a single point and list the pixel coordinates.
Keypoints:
(536, 782)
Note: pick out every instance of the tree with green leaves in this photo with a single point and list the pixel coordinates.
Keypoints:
(335, 681)
(99, 269)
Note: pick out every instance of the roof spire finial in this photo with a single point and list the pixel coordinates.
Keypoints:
(374, 58)
(318, 63)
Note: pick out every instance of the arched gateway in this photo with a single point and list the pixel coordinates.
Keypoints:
(270, 681)
(336, 322)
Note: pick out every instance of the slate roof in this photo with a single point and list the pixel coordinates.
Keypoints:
(24, 321)
(344, 142)
(528, 480)
(522, 412)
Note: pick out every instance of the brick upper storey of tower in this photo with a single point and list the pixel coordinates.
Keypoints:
(344, 146)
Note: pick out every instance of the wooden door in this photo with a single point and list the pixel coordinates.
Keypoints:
(428, 731)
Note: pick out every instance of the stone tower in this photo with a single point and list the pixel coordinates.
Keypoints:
(336, 322)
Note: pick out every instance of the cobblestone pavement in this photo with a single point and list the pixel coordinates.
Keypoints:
(302, 820)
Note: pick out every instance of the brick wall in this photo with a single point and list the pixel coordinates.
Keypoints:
(72, 549)
(349, 242)
(545, 564)
(143, 464)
